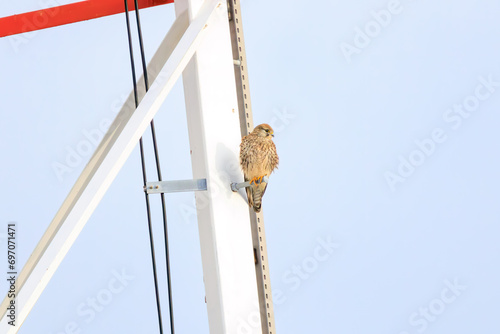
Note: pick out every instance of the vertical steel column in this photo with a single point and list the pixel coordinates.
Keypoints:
(214, 135)
(246, 125)
(114, 149)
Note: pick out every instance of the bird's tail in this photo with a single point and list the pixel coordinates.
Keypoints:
(255, 193)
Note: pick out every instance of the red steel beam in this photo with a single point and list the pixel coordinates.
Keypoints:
(71, 13)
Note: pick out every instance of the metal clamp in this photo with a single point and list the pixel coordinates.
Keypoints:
(175, 186)
(237, 186)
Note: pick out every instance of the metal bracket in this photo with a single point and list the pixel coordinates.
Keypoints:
(237, 186)
(175, 186)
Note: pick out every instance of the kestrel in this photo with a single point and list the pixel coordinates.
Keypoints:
(258, 158)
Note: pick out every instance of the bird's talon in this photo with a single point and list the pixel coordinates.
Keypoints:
(257, 180)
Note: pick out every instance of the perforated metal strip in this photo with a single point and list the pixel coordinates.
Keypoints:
(246, 124)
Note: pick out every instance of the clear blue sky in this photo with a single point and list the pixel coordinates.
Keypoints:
(382, 218)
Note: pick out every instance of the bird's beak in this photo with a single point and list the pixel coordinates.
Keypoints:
(272, 134)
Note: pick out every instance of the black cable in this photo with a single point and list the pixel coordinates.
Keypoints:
(143, 57)
(158, 171)
(148, 209)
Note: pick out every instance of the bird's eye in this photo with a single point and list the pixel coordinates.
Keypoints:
(267, 130)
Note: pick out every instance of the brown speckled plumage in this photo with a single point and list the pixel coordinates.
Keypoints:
(258, 158)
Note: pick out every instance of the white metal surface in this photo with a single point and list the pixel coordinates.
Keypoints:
(102, 168)
(224, 224)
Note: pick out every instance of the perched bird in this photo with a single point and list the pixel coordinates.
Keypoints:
(258, 158)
